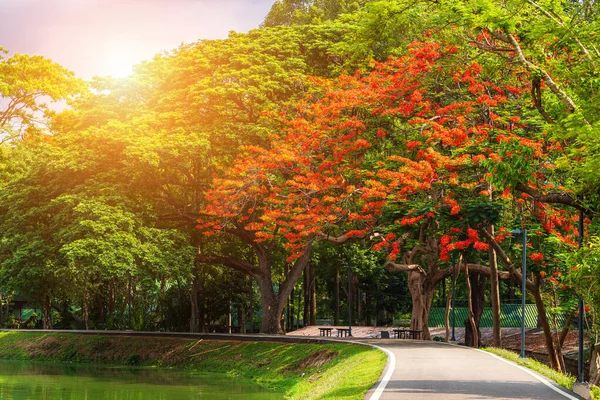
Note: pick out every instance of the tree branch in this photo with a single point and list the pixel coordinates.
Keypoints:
(393, 267)
(296, 270)
(339, 239)
(566, 100)
(499, 252)
(553, 198)
(536, 94)
(238, 265)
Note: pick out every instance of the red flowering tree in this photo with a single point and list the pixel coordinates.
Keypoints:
(356, 152)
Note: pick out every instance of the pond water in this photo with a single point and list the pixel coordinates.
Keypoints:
(44, 381)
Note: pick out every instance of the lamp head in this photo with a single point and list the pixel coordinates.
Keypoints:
(516, 232)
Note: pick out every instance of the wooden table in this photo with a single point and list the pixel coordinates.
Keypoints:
(343, 332)
(325, 331)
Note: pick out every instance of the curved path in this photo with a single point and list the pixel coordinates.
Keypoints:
(430, 370)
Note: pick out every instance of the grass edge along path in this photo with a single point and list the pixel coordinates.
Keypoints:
(298, 370)
(564, 380)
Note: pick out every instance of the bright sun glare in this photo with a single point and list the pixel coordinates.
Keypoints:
(119, 61)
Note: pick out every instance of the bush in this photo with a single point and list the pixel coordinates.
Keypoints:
(12, 322)
(595, 392)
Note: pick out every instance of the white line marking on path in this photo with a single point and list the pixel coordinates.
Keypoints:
(536, 376)
(390, 371)
(386, 378)
(391, 368)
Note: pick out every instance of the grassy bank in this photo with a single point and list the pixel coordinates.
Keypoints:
(301, 371)
(564, 380)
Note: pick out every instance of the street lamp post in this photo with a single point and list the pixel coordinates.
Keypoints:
(523, 287)
(453, 338)
(349, 300)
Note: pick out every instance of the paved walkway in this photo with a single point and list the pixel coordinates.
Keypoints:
(430, 370)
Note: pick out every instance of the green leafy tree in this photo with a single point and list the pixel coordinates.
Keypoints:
(29, 84)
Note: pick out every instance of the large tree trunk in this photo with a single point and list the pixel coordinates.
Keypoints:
(272, 308)
(415, 285)
(421, 292)
(273, 303)
(554, 353)
(495, 295)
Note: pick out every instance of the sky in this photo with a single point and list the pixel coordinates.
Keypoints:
(107, 37)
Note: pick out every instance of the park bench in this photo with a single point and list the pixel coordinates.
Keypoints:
(325, 331)
(404, 333)
(399, 333)
(342, 332)
(413, 334)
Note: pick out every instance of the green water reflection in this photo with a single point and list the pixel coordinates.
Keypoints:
(42, 381)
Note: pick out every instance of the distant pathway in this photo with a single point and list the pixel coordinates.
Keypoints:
(430, 370)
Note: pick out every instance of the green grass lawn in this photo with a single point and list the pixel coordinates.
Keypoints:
(300, 371)
(564, 380)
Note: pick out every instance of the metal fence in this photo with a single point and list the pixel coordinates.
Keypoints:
(510, 316)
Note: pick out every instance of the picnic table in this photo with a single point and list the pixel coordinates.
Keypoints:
(325, 331)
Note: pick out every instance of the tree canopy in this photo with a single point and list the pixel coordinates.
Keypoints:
(405, 135)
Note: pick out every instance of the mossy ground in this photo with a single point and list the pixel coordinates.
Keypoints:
(301, 371)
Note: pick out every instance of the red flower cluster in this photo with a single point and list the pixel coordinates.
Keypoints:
(536, 256)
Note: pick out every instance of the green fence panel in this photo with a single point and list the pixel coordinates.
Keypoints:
(510, 316)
